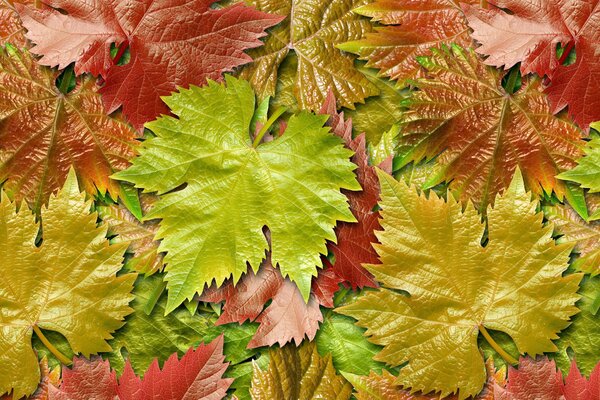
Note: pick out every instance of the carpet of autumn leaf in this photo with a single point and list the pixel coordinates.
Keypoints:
(299, 199)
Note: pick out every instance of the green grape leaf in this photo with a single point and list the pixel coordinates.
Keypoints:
(458, 288)
(587, 172)
(67, 284)
(164, 335)
(290, 185)
(582, 337)
(311, 30)
(350, 350)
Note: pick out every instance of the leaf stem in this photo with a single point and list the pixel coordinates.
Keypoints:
(267, 125)
(483, 4)
(120, 51)
(61, 357)
(507, 357)
(512, 80)
(37, 3)
(66, 80)
(566, 53)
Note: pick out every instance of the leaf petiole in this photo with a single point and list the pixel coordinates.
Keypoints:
(66, 80)
(267, 125)
(61, 357)
(507, 357)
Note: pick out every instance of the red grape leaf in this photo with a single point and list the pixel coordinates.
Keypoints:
(86, 379)
(538, 379)
(410, 29)
(172, 43)
(43, 132)
(483, 133)
(530, 34)
(287, 318)
(11, 29)
(576, 387)
(198, 375)
(353, 246)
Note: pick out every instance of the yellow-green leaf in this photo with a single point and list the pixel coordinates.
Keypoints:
(432, 250)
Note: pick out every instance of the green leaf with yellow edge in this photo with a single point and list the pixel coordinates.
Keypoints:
(298, 373)
(213, 227)
(431, 250)
(66, 284)
(311, 31)
(584, 236)
(587, 172)
(156, 335)
(581, 340)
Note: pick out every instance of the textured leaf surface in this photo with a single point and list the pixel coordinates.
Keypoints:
(198, 375)
(534, 379)
(379, 113)
(299, 373)
(432, 250)
(587, 172)
(86, 379)
(582, 337)
(350, 350)
(67, 284)
(353, 247)
(410, 29)
(49, 377)
(164, 335)
(585, 236)
(287, 318)
(312, 30)
(43, 133)
(234, 190)
(483, 133)
(201, 44)
(145, 256)
(383, 387)
(11, 28)
(538, 379)
(529, 32)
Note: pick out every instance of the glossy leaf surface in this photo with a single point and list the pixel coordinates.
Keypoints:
(43, 132)
(67, 284)
(235, 189)
(482, 132)
(202, 44)
(431, 249)
(312, 29)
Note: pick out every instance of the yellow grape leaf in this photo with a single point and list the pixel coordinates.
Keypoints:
(459, 288)
(299, 373)
(311, 31)
(66, 284)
